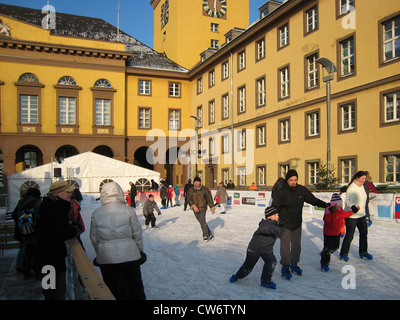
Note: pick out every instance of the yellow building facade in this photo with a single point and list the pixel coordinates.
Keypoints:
(266, 90)
(184, 29)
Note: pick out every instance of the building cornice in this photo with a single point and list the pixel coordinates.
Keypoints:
(63, 49)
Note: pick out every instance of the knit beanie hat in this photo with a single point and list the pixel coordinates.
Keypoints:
(270, 211)
(290, 174)
(336, 199)
(197, 179)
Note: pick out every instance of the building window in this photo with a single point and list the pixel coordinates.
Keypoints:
(144, 87)
(242, 100)
(214, 27)
(312, 78)
(347, 57)
(211, 112)
(347, 168)
(102, 112)
(283, 36)
(261, 135)
(261, 173)
(67, 81)
(174, 89)
(347, 117)
(391, 168)
(144, 118)
(311, 20)
(260, 47)
(312, 124)
(225, 106)
(211, 78)
(214, 44)
(312, 172)
(225, 176)
(261, 92)
(67, 110)
(200, 116)
(242, 176)
(225, 144)
(284, 83)
(225, 70)
(391, 39)
(241, 140)
(29, 102)
(390, 107)
(283, 169)
(102, 83)
(29, 112)
(199, 85)
(174, 122)
(284, 130)
(211, 145)
(345, 6)
(241, 60)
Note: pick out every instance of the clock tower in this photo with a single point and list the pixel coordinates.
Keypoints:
(183, 29)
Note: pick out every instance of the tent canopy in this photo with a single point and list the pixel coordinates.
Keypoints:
(89, 171)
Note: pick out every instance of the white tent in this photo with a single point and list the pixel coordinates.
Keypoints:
(89, 170)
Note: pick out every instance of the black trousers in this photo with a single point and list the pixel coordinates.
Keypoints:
(351, 225)
(124, 280)
(150, 218)
(250, 262)
(201, 218)
(331, 244)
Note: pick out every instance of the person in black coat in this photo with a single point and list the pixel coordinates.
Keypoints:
(185, 192)
(133, 194)
(53, 229)
(30, 200)
(289, 201)
(261, 245)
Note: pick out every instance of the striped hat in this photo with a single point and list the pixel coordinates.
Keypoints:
(270, 211)
(336, 199)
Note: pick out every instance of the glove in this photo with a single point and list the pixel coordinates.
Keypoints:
(354, 209)
(369, 222)
(143, 257)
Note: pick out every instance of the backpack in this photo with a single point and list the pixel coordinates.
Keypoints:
(26, 223)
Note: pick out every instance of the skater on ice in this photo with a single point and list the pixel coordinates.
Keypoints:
(261, 245)
(148, 212)
(334, 218)
(289, 201)
(356, 196)
(199, 197)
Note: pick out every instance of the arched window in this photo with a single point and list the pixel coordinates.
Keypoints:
(104, 182)
(28, 77)
(26, 185)
(143, 185)
(67, 81)
(102, 83)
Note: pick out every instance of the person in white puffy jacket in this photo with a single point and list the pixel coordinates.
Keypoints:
(116, 235)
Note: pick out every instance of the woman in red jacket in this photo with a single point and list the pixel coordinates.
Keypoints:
(334, 219)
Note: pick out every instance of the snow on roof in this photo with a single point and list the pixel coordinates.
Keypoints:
(97, 29)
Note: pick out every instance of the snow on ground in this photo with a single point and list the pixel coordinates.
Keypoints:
(181, 267)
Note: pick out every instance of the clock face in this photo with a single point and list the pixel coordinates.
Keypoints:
(164, 13)
(215, 8)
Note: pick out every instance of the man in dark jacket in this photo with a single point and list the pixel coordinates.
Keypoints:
(133, 194)
(262, 245)
(199, 198)
(53, 229)
(289, 201)
(185, 192)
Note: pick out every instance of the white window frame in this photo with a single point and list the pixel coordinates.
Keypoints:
(348, 116)
(390, 39)
(242, 99)
(284, 36)
(347, 57)
(29, 109)
(261, 96)
(174, 119)
(144, 87)
(67, 110)
(102, 112)
(312, 19)
(144, 118)
(284, 82)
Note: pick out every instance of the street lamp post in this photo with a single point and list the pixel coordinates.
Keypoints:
(198, 119)
(330, 67)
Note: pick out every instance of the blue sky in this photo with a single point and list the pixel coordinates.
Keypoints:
(136, 16)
